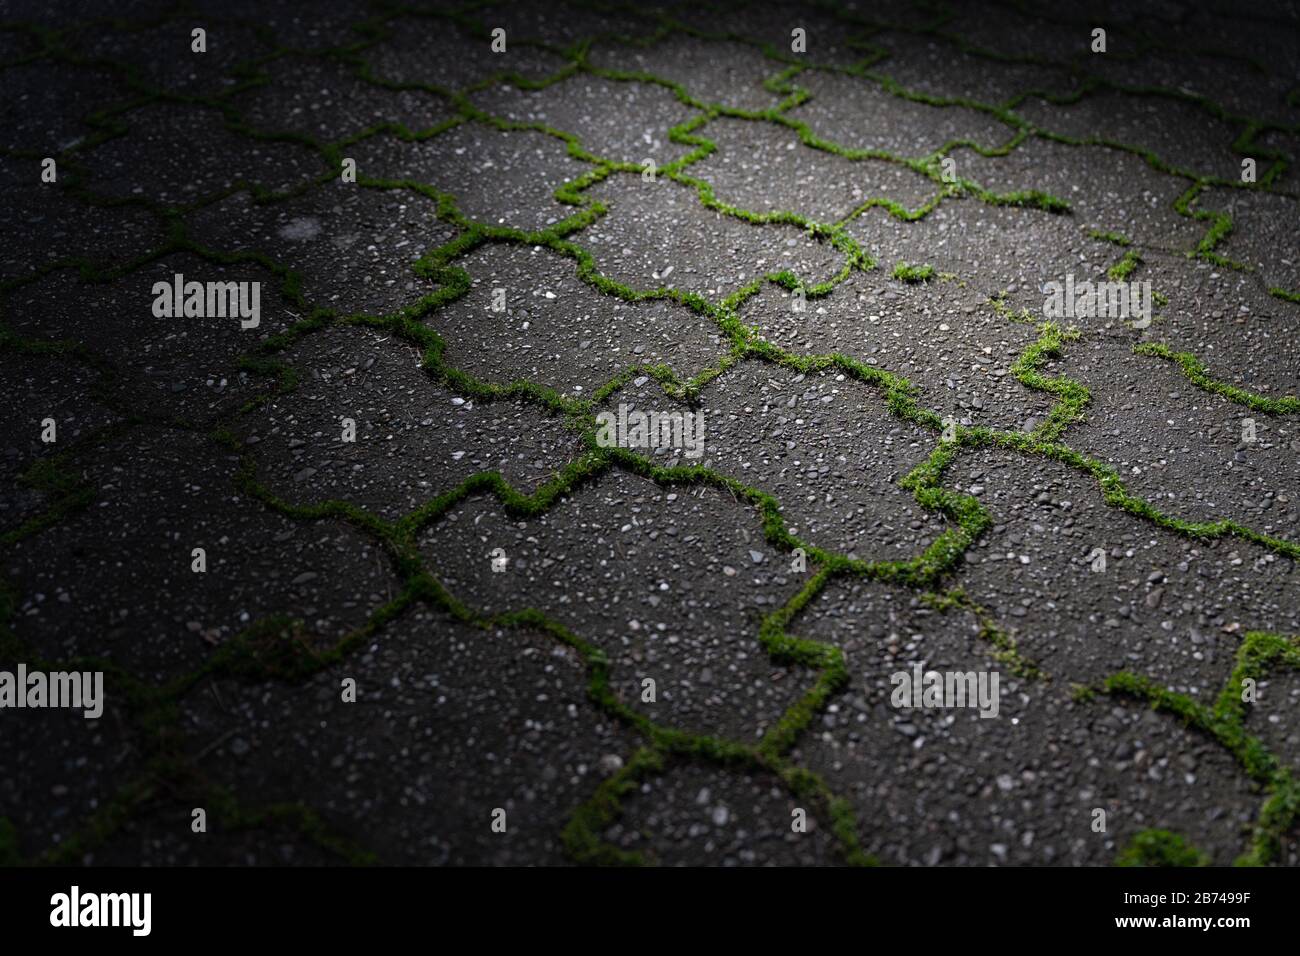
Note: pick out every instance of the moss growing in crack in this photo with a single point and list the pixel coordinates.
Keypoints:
(908, 273)
(1198, 375)
(1114, 238)
(293, 815)
(1125, 267)
(1045, 441)
(582, 834)
(68, 493)
(1160, 848)
(1220, 227)
(1005, 649)
(1029, 199)
(1278, 292)
(1074, 397)
(1225, 722)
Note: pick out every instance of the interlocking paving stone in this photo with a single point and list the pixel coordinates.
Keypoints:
(499, 178)
(558, 331)
(859, 114)
(578, 104)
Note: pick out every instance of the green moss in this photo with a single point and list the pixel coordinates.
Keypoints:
(908, 273)
(1225, 722)
(1125, 267)
(1199, 376)
(1160, 848)
(1111, 237)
